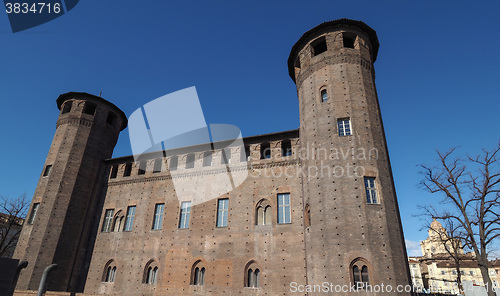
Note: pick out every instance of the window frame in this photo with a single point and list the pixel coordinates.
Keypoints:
(343, 128)
(158, 216)
(225, 212)
(284, 208)
(371, 193)
(107, 222)
(184, 215)
(129, 218)
(34, 211)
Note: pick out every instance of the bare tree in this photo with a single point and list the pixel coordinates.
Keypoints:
(12, 213)
(471, 188)
(451, 236)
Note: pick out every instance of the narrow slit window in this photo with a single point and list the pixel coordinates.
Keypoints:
(89, 108)
(324, 95)
(245, 154)
(319, 46)
(142, 167)
(47, 170)
(226, 156)
(34, 210)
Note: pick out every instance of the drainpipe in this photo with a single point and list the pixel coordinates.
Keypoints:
(43, 283)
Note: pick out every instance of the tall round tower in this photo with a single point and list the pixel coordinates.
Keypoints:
(59, 223)
(353, 233)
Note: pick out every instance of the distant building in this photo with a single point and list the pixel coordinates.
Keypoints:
(10, 228)
(437, 268)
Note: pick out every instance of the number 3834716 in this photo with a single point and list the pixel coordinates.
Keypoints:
(40, 7)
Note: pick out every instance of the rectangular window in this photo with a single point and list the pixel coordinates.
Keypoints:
(226, 156)
(142, 167)
(344, 127)
(284, 211)
(371, 190)
(319, 46)
(222, 212)
(174, 160)
(265, 151)
(108, 220)
(46, 172)
(245, 154)
(128, 170)
(67, 107)
(158, 218)
(111, 118)
(185, 214)
(207, 158)
(129, 221)
(190, 161)
(157, 166)
(33, 213)
(114, 172)
(89, 108)
(286, 148)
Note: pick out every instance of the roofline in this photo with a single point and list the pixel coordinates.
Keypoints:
(369, 31)
(63, 97)
(285, 134)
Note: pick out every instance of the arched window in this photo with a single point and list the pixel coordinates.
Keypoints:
(198, 273)
(109, 272)
(252, 275)
(118, 222)
(150, 273)
(263, 213)
(324, 95)
(360, 273)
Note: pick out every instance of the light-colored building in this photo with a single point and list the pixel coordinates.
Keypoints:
(436, 270)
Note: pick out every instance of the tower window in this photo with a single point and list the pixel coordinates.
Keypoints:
(67, 107)
(222, 212)
(158, 217)
(226, 156)
(371, 190)
(286, 148)
(265, 151)
(114, 172)
(157, 166)
(307, 216)
(319, 46)
(360, 274)
(198, 274)
(207, 158)
(108, 220)
(174, 160)
(324, 95)
(252, 275)
(46, 172)
(34, 210)
(344, 126)
(128, 169)
(129, 221)
(284, 210)
(150, 273)
(142, 167)
(348, 40)
(111, 118)
(89, 108)
(185, 214)
(110, 274)
(245, 154)
(190, 161)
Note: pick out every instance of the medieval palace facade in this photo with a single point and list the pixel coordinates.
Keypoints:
(115, 226)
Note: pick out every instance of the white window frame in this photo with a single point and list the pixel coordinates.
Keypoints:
(107, 223)
(158, 216)
(371, 190)
(185, 215)
(129, 220)
(284, 208)
(344, 126)
(222, 212)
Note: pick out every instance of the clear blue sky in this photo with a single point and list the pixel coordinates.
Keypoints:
(437, 73)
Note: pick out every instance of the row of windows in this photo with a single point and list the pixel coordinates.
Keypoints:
(198, 271)
(114, 222)
(265, 153)
(263, 212)
(319, 45)
(359, 273)
(89, 108)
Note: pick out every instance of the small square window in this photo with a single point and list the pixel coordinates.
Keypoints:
(344, 126)
(67, 107)
(319, 46)
(348, 40)
(47, 170)
(111, 118)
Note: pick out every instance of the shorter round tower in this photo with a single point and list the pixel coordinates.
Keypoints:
(59, 223)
